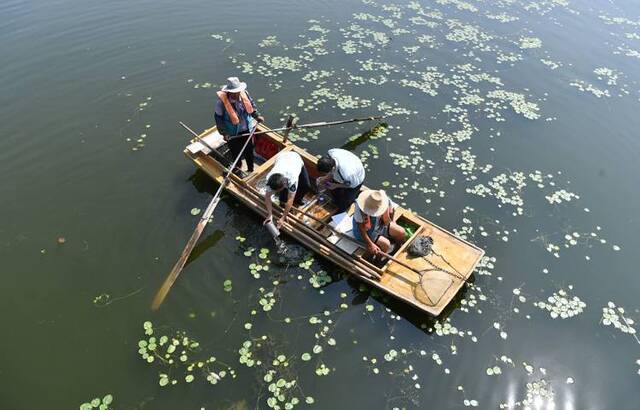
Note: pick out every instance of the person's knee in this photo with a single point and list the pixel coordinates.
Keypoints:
(384, 244)
(396, 232)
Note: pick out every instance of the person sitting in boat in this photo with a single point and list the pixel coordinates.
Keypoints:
(289, 179)
(342, 173)
(235, 114)
(374, 224)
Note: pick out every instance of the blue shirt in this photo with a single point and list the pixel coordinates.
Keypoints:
(223, 121)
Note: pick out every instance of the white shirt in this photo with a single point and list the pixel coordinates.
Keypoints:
(349, 169)
(289, 164)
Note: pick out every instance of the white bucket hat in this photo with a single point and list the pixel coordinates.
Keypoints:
(234, 85)
(372, 202)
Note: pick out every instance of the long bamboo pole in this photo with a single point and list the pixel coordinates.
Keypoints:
(368, 269)
(202, 223)
(316, 125)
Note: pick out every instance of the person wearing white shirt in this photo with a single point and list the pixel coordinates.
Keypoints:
(342, 173)
(289, 179)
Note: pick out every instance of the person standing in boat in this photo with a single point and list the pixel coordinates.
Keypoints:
(342, 173)
(290, 181)
(374, 224)
(235, 114)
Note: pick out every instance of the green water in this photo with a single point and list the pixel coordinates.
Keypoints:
(82, 81)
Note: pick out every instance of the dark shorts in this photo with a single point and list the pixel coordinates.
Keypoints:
(236, 144)
(372, 233)
(344, 197)
(304, 186)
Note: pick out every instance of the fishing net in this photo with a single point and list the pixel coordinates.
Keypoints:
(432, 286)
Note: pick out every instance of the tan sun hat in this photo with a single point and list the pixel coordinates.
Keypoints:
(372, 202)
(234, 85)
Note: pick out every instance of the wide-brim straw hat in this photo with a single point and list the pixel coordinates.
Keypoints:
(234, 85)
(372, 202)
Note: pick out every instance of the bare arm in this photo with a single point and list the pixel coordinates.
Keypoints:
(269, 206)
(287, 208)
(372, 247)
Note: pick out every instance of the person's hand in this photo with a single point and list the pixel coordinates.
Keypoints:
(332, 185)
(266, 221)
(260, 118)
(225, 137)
(373, 248)
(281, 221)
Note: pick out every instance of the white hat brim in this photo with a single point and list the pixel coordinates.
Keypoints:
(362, 200)
(241, 87)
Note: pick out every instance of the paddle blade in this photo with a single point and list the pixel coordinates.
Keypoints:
(177, 268)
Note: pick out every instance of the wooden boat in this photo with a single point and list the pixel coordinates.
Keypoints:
(428, 283)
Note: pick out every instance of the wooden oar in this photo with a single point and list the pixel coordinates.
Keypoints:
(204, 220)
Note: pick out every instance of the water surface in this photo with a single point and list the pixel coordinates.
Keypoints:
(83, 81)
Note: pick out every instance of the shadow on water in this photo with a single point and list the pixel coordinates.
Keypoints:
(203, 182)
(419, 319)
(204, 245)
(355, 141)
(363, 291)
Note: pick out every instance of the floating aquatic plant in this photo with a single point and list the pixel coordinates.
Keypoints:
(613, 315)
(561, 304)
(179, 357)
(103, 403)
(530, 42)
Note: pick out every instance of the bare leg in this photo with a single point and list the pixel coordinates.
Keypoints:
(384, 244)
(396, 232)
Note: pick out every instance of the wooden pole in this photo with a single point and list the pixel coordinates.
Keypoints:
(317, 124)
(366, 270)
(197, 137)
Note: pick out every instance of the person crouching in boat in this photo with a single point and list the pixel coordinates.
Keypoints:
(342, 173)
(289, 179)
(236, 114)
(374, 224)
